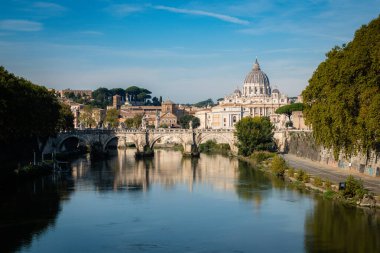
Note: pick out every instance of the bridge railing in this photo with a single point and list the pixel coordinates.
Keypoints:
(159, 130)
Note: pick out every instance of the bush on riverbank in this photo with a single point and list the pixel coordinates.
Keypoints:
(212, 146)
(354, 188)
(278, 165)
(34, 170)
(261, 156)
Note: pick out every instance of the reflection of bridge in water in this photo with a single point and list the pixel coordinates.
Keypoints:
(190, 139)
(168, 169)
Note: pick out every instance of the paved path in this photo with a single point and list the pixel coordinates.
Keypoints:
(335, 175)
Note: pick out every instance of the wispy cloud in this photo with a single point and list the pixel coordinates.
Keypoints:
(49, 6)
(90, 32)
(20, 25)
(124, 9)
(219, 16)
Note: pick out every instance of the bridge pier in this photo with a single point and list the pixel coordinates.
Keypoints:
(190, 150)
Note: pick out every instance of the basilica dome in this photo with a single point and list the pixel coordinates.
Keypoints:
(256, 82)
(257, 76)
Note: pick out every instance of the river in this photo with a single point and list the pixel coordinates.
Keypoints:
(168, 203)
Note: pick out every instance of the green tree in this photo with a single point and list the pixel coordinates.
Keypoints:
(112, 117)
(289, 109)
(184, 121)
(207, 102)
(134, 122)
(86, 116)
(66, 118)
(254, 134)
(342, 100)
(101, 97)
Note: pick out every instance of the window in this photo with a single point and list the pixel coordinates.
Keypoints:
(234, 119)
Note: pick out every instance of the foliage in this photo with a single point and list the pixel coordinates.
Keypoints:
(184, 121)
(112, 117)
(66, 118)
(306, 178)
(342, 100)
(135, 93)
(289, 109)
(300, 175)
(290, 171)
(254, 134)
(29, 114)
(205, 103)
(101, 97)
(212, 146)
(134, 122)
(317, 181)
(86, 116)
(278, 165)
(260, 156)
(328, 184)
(354, 188)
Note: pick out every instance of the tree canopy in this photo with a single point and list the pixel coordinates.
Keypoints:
(254, 134)
(29, 114)
(342, 100)
(289, 109)
(184, 121)
(207, 102)
(112, 117)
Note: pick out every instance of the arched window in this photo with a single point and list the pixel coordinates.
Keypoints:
(234, 119)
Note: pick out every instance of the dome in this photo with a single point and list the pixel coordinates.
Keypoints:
(257, 76)
(275, 91)
(237, 91)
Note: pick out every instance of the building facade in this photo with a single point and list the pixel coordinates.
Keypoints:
(255, 98)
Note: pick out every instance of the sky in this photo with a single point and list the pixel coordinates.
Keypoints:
(186, 51)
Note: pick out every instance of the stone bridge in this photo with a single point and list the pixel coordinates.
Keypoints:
(144, 140)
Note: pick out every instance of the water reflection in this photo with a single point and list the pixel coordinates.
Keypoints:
(175, 204)
(333, 227)
(29, 209)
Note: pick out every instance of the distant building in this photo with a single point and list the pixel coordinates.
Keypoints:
(256, 98)
(76, 92)
(116, 102)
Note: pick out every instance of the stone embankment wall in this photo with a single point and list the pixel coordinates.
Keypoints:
(302, 144)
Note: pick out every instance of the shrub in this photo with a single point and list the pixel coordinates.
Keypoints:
(317, 181)
(278, 165)
(306, 178)
(354, 188)
(260, 156)
(300, 175)
(328, 184)
(290, 172)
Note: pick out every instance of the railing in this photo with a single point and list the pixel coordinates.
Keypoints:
(159, 130)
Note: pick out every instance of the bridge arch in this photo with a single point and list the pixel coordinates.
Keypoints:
(177, 138)
(62, 141)
(218, 137)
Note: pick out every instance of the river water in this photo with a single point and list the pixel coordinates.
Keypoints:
(172, 204)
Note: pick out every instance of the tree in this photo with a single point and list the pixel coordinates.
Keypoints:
(118, 91)
(184, 121)
(112, 117)
(134, 122)
(66, 118)
(29, 114)
(342, 100)
(155, 101)
(86, 116)
(207, 102)
(254, 134)
(102, 97)
(289, 109)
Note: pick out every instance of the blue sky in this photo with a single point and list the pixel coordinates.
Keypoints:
(186, 51)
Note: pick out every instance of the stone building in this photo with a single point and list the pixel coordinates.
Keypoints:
(255, 98)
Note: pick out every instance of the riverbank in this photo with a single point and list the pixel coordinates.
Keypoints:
(355, 192)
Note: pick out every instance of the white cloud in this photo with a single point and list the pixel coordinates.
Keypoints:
(90, 32)
(124, 9)
(222, 17)
(49, 6)
(20, 25)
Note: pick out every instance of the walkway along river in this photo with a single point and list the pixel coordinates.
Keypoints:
(173, 204)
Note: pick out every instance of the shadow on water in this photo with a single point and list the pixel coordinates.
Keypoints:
(333, 227)
(29, 209)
